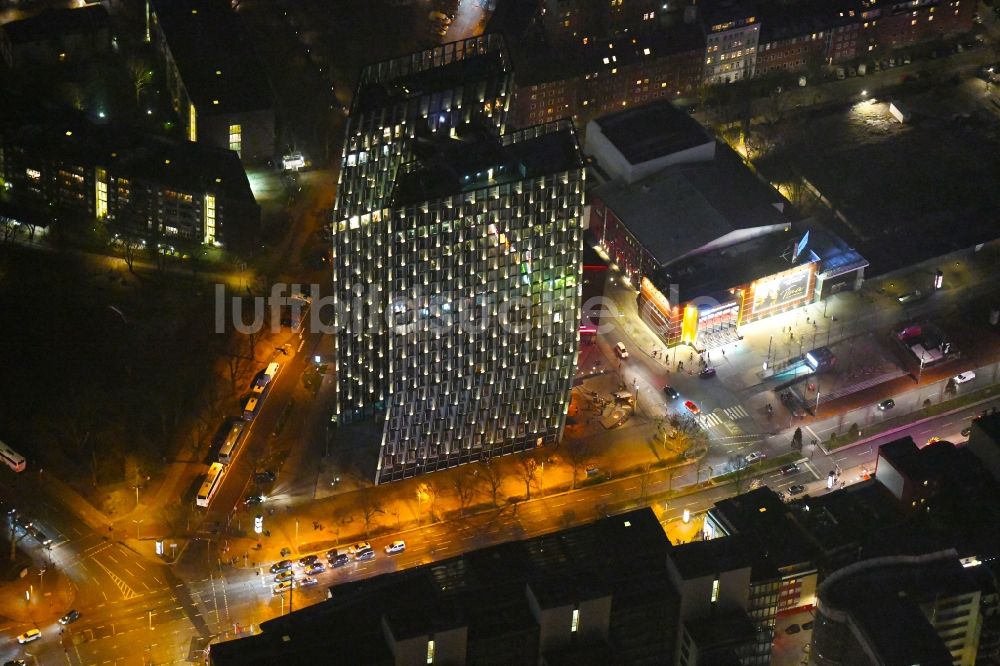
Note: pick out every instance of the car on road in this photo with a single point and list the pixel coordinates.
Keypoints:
(621, 351)
(283, 565)
(365, 555)
(308, 560)
(796, 489)
(315, 568)
(751, 458)
(339, 560)
(253, 499)
(966, 431)
(790, 468)
(806, 626)
(28, 636)
(671, 393)
(397, 546)
(283, 586)
(69, 617)
(37, 533)
(964, 377)
(282, 576)
(360, 547)
(307, 582)
(267, 476)
(887, 404)
(707, 373)
(691, 407)
(793, 629)
(15, 662)
(910, 296)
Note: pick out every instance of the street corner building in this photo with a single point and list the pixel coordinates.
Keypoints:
(706, 243)
(457, 260)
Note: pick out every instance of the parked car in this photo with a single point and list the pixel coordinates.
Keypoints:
(283, 565)
(910, 296)
(283, 586)
(308, 581)
(887, 404)
(707, 373)
(793, 629)
(621, 351)
(365, 555)
(397, 546)
(691, 407)
(751, 458)
(70, 617)
(282, 576)
(796, 489)
(339, 560)
(28, 636)
(671, 393)
(308, 560)
(315, 568)
(791, 468)
(964, 377)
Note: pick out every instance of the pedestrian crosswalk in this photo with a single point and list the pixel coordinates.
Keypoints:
(736, 412)
(720, 416)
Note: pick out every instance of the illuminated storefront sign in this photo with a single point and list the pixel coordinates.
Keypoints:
(782, 289)
(689, 325)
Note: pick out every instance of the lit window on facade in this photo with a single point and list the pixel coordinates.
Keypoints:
(236, 139)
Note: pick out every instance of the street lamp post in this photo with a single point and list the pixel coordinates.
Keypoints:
(137, 523)
(817, 401)
(296, 533)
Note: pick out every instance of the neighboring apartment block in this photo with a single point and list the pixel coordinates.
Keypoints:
(732, 33)
(457, 259)
(216, 82)
(159, 189)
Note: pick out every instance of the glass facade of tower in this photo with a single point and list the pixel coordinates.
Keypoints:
(457, 259)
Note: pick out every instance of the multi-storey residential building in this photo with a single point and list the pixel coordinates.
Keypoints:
(457, 257)
(601, 593)
(732, 33)
(215, 79)
(58, 36)
(902, 609)
(604, 76)
(160, 189)
(571, 22)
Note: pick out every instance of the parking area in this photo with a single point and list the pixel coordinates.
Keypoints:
(896, 190)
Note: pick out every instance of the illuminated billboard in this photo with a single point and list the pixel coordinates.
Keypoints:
(781, 289)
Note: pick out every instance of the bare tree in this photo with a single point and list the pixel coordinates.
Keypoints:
(740, 470)
(141, 76)
(370, 506)
(463, 482)
(577, 452)
(131, 247)
(491, 475)
(527, 470)
(8, 229)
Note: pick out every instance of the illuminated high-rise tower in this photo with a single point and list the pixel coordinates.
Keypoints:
(457, 261)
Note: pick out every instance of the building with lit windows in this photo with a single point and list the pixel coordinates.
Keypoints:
(457, 262)
(732, 33)
(163, 190)
(601, 593)
(216, 80)
(902, 609)
(57, 36)
(707, 244)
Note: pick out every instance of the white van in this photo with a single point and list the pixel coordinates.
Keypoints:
(621, 351)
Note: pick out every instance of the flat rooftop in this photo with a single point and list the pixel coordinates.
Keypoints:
(53, 23)
(647, 132)
(484, 590)
(684, 207)
(715, 272)
(446, 166)
(215, 56)
(68, 135)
